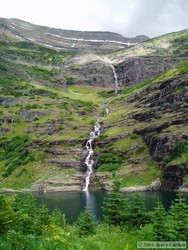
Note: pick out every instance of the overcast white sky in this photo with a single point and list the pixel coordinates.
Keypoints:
(127, 17)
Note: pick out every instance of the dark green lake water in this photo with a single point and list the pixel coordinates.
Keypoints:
(72, 203)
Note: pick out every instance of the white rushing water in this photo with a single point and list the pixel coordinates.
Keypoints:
(89, 159)
(115, 79)
(114, 73)
(94, 134)
(89, 162)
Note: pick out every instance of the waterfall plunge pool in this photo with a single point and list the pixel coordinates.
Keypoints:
(73, 203)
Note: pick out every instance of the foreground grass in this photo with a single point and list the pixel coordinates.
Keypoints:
(105, 238)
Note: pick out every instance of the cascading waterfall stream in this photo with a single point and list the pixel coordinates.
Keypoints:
(89, 162)
(94, 134)
(115, 79)
(114, 73)
(89, 159)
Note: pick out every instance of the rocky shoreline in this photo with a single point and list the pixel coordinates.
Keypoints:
(154, 186)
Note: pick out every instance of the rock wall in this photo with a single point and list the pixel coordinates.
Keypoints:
(165, 101)
(138, 69)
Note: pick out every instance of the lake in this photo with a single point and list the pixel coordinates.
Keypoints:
(72, 203)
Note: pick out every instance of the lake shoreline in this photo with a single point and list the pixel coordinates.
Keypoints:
(154, 186)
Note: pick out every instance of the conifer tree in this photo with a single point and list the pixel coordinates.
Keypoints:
(26, 206)
(178, 216)
(86, 223)
(138, 215)
(7, 214)
(42, 218)
(159, 222)
(58, 218)
(114, 206)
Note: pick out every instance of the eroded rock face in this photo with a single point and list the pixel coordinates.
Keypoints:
(3, 131)
(165, 100)
(94, 73)
(173, 177)
(139, 69)
(9, 101)
(31, 115)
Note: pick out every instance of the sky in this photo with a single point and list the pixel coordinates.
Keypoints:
(126, 17)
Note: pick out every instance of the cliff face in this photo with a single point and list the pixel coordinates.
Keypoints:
(168, 101)
(50, 99)
(150, 125)
(135, 70)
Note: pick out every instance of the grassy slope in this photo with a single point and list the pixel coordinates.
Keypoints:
(137, 167)
(173, 44)
(31, 75)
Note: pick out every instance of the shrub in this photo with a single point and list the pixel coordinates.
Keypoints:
(180, 149)
(109, 167)
(109, 158)
(133, 136)
(69, 80)
(109, 162)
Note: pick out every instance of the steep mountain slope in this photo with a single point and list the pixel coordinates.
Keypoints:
(147, 128)
(66, 39)
(50, 99)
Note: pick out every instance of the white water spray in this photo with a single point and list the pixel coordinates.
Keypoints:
(89, 159)
(89, 163)
(115, 75)
(115, 79)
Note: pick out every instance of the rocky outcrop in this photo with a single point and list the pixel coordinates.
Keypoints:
(28, 115)
(165, 100)
(135, 70)
(3, 130)
(152, 187)
(173, 177)
(8, 120)
(94, 73)
(59, 184)
(9, 101)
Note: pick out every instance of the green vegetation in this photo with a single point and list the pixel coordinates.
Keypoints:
(166, 45)
(86, 224)
(179, 153)
(45, 114)
(69, 80)
(26, 225)
(15, 153)
(144, 178)
(109, 162)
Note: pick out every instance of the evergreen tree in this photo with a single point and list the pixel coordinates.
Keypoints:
(42, 218)
(159, 222)
(138, 215)
(58, 218)
(26, 206)
(86, 223)
(7, 214)
(114, 206)
(178, 216)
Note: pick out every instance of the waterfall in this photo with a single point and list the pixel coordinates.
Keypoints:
(89, 162)
(89, 159)
(115, 77)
